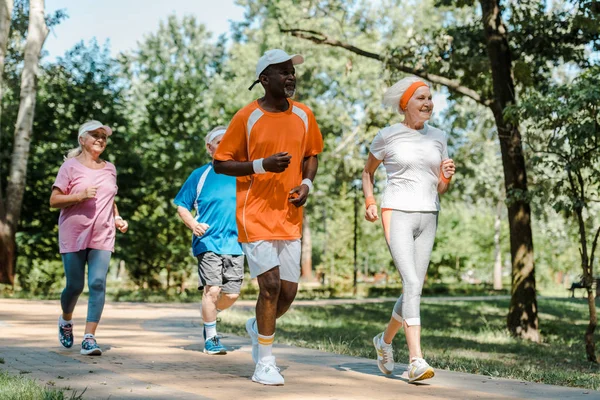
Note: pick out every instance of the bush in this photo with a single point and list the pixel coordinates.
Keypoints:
(38, 277)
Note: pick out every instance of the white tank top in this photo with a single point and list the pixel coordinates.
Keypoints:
(412, 160)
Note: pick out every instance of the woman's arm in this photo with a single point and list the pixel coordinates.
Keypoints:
(120, 223)
(60, 200)
(447, 170)
(368, 179)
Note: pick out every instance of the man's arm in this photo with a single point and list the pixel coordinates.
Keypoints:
(233, 168)
(299, 194)
(276, 163)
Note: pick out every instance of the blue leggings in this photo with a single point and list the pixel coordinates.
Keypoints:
(98, 262)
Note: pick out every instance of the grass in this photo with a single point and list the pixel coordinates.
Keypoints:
(457, 336)
(20, 387)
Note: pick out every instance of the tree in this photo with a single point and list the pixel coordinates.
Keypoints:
(475, 54)
(10, 207)
(563, 126)
(171, 106)
(6, 8)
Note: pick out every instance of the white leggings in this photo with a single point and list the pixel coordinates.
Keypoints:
(411, 237)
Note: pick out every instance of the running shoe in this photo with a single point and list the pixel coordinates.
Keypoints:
(65, 334)
(267, 373)
(385, 355)
(213, 346)
(89, 347)
(418, 370)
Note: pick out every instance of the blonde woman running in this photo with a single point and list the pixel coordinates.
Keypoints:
(416, 161)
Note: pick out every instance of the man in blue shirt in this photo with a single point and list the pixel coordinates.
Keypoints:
(214, 240)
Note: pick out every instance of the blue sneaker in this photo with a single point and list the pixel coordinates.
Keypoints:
(65, 334)
(89, 347)
(214, 346)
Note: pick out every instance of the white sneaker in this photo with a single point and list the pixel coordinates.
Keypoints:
(385, 355)
(418, 370)
(267, 373)
(254, 336)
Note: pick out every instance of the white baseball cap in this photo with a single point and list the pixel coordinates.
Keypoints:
(92, 126)
(275, 56)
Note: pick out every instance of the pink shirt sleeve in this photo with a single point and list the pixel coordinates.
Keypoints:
(63, 178)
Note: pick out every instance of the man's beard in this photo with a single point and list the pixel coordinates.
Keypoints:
(289, 92)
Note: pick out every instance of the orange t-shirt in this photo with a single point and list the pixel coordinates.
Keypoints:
(263, 209)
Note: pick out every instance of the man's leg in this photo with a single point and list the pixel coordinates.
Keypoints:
(269, 285)
(210, 266)
(226, 300)
(289, 256)
(287, 294)
(233, 277)
(210, 299)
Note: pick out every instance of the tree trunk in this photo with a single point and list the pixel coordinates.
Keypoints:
(6, 247)
(590, 344)
(6, 7)
(306, 272)
(36, 35)
(497, 248)
(522, 319)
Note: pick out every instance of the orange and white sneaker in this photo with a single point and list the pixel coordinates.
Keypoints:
(385, 355)
(418, 370)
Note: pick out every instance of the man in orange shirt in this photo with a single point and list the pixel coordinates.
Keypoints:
(271, 146)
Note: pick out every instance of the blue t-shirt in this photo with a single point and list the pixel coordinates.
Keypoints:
(213, 197)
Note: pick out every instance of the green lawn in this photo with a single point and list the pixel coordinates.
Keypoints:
(457, 336)
(20, 387)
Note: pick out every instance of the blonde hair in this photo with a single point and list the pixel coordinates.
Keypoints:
(74, 152)
(392, 96)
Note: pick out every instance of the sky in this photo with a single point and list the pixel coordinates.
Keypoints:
(124, 22)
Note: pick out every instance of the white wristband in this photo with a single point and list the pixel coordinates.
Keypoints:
(257, 166)
(308, 183)
(118, 217)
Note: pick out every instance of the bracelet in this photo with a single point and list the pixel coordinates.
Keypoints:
(444, 179)
(257, 166)
(308, 183)
(118, 217)
(370, 201)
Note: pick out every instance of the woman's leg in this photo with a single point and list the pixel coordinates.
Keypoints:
(74, 264)
(423, 245)
(400, 235)
(98, 263)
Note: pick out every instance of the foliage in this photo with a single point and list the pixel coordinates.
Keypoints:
(162, 98)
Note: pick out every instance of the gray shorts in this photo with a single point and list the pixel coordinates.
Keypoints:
(223, 270)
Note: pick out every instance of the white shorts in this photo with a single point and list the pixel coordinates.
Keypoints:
(264, 255)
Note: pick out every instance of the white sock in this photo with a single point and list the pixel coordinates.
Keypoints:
(88, 336)
(383, 343)
(265, 346)
(211, 329)
(63, 322)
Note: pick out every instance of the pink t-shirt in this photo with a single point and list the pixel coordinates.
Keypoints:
(89, 224)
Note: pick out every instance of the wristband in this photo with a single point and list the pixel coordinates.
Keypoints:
(118, 217)
(308, 183)
(370, 201)
(257, 166)
(443, 177)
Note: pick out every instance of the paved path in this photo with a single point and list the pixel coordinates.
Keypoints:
(154, 351)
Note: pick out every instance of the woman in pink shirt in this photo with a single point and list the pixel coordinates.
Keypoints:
(85, 190)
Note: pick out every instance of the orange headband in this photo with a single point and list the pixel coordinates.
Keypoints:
(409, 93)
